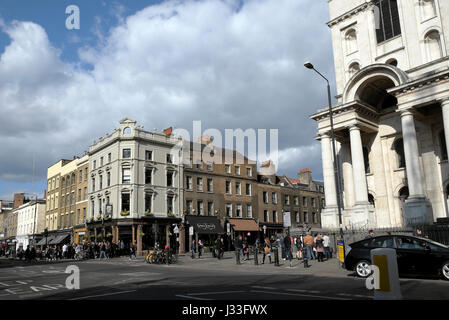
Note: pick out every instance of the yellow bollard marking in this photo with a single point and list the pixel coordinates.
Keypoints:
(381, 262)
(341, 254)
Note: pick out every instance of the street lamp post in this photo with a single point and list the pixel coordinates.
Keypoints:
(309, 65)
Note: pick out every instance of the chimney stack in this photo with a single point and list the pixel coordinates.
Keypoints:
(305, 176)
(18, 199)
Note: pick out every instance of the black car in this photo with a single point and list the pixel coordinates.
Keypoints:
(415, 256)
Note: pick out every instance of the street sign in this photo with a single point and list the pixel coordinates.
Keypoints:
(191, 231)
(175, 229)
(228, 227)
(287, 219)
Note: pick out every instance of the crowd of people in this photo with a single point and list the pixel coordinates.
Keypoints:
(74, 251)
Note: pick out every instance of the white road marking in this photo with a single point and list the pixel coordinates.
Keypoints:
(211, 293)
(299, 295)
(189, 297)
(260, 287)
(305, 291)
(102, 295)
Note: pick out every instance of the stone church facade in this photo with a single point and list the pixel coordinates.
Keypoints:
(392, 117)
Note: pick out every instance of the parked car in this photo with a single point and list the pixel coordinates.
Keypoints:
(415, 256)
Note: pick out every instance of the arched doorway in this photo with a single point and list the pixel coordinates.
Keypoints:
(371, 200)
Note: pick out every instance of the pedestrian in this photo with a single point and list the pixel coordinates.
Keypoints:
(288, 248)
(327, 250)
(217, 248)
(319, 248)
(222, 248)
(33, 253)
(308, 243)
(370, 234)
(200, 248)
(192, 248)
(298, 244)
(281, 241)
(103, 250)
(27, 254)
(266, 250)
(64, 251)
(132, 252)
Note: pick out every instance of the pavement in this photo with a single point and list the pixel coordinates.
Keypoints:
(196, 280)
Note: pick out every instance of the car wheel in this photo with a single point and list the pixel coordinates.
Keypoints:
(445, 270)
(363, 268)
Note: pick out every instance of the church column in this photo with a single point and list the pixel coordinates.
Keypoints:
(414, 177)
(328, 172)
(445, 110)
(358, 165)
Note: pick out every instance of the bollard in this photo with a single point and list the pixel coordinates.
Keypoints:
(385, 279)
(256, 259)
(276, 256)
(305, 260)
(237, 256)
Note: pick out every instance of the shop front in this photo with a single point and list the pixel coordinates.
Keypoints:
(271, 229)
(79, 233)
(247, 228)
(204, 228)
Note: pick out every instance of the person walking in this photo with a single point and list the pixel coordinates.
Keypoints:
(103, 250)
(308, 243)
(319, 248)
(266, 250)
(288, 248)
(132, 252)
(299, 247)
(327, 250)
(222, 248)
(200, 248)
(192, 248)
(281, 241)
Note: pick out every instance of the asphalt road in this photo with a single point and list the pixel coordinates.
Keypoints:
(197, 280)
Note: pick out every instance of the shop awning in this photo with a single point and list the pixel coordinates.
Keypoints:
(60, 238)
(43, 241)
(205, 224)
(244, 224)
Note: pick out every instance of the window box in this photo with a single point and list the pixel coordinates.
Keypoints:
(124, 213)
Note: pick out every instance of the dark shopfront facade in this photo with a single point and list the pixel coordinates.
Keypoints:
(247, 228)
(271, 229)
(205, 228)
(144, 232)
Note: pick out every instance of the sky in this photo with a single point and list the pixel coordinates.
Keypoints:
(227, 63)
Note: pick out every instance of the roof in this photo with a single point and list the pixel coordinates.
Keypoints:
(244, 224)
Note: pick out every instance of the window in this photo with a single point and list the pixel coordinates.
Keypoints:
(149, 155)
(227, 168)
(297, 220)
(125, 202)
(170, 178)
(95, 165)
(389, 24)
(228, 187)
(314, 217)
(209, 166)
(428, 9)
(432, 42)
(109, 157)
(126, 153)
(410, 243)
(238, 211)
(101, 161)
(80, 176)
(188, 183)
(199, 184)
(351, 41)
(126, 175)
(84, 214)
(148, 201)
(93, 208)
(210, 185)
(170, 199)
(274, 198)
(79, 194)
(265, 197)
(228, 210)
(443, 146)
(85, 193)
(353, 68)
(249, 211)
(366, 159)
(265, 215)
(275, 216)
(93, 184)
(248, 189)
(384, 242)
(399, 148)
(304, 201)
(127, 131)
(286, 199)
(169, 158)
(210, 208)
(108, 178)
(189, 206)
(148, 175)
(200, 208)
(296, 200)
(306, 217)
(85, 174)
(238, 189)
(101, 182)
(313, 200)
(237, 170)
(249, 172)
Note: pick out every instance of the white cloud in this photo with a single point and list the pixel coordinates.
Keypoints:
(167, 65)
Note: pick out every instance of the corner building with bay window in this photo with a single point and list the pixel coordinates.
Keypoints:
(392, 117)
(135, 187)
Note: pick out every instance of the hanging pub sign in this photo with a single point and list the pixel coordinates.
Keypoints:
(109, 209)
(191, 231)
